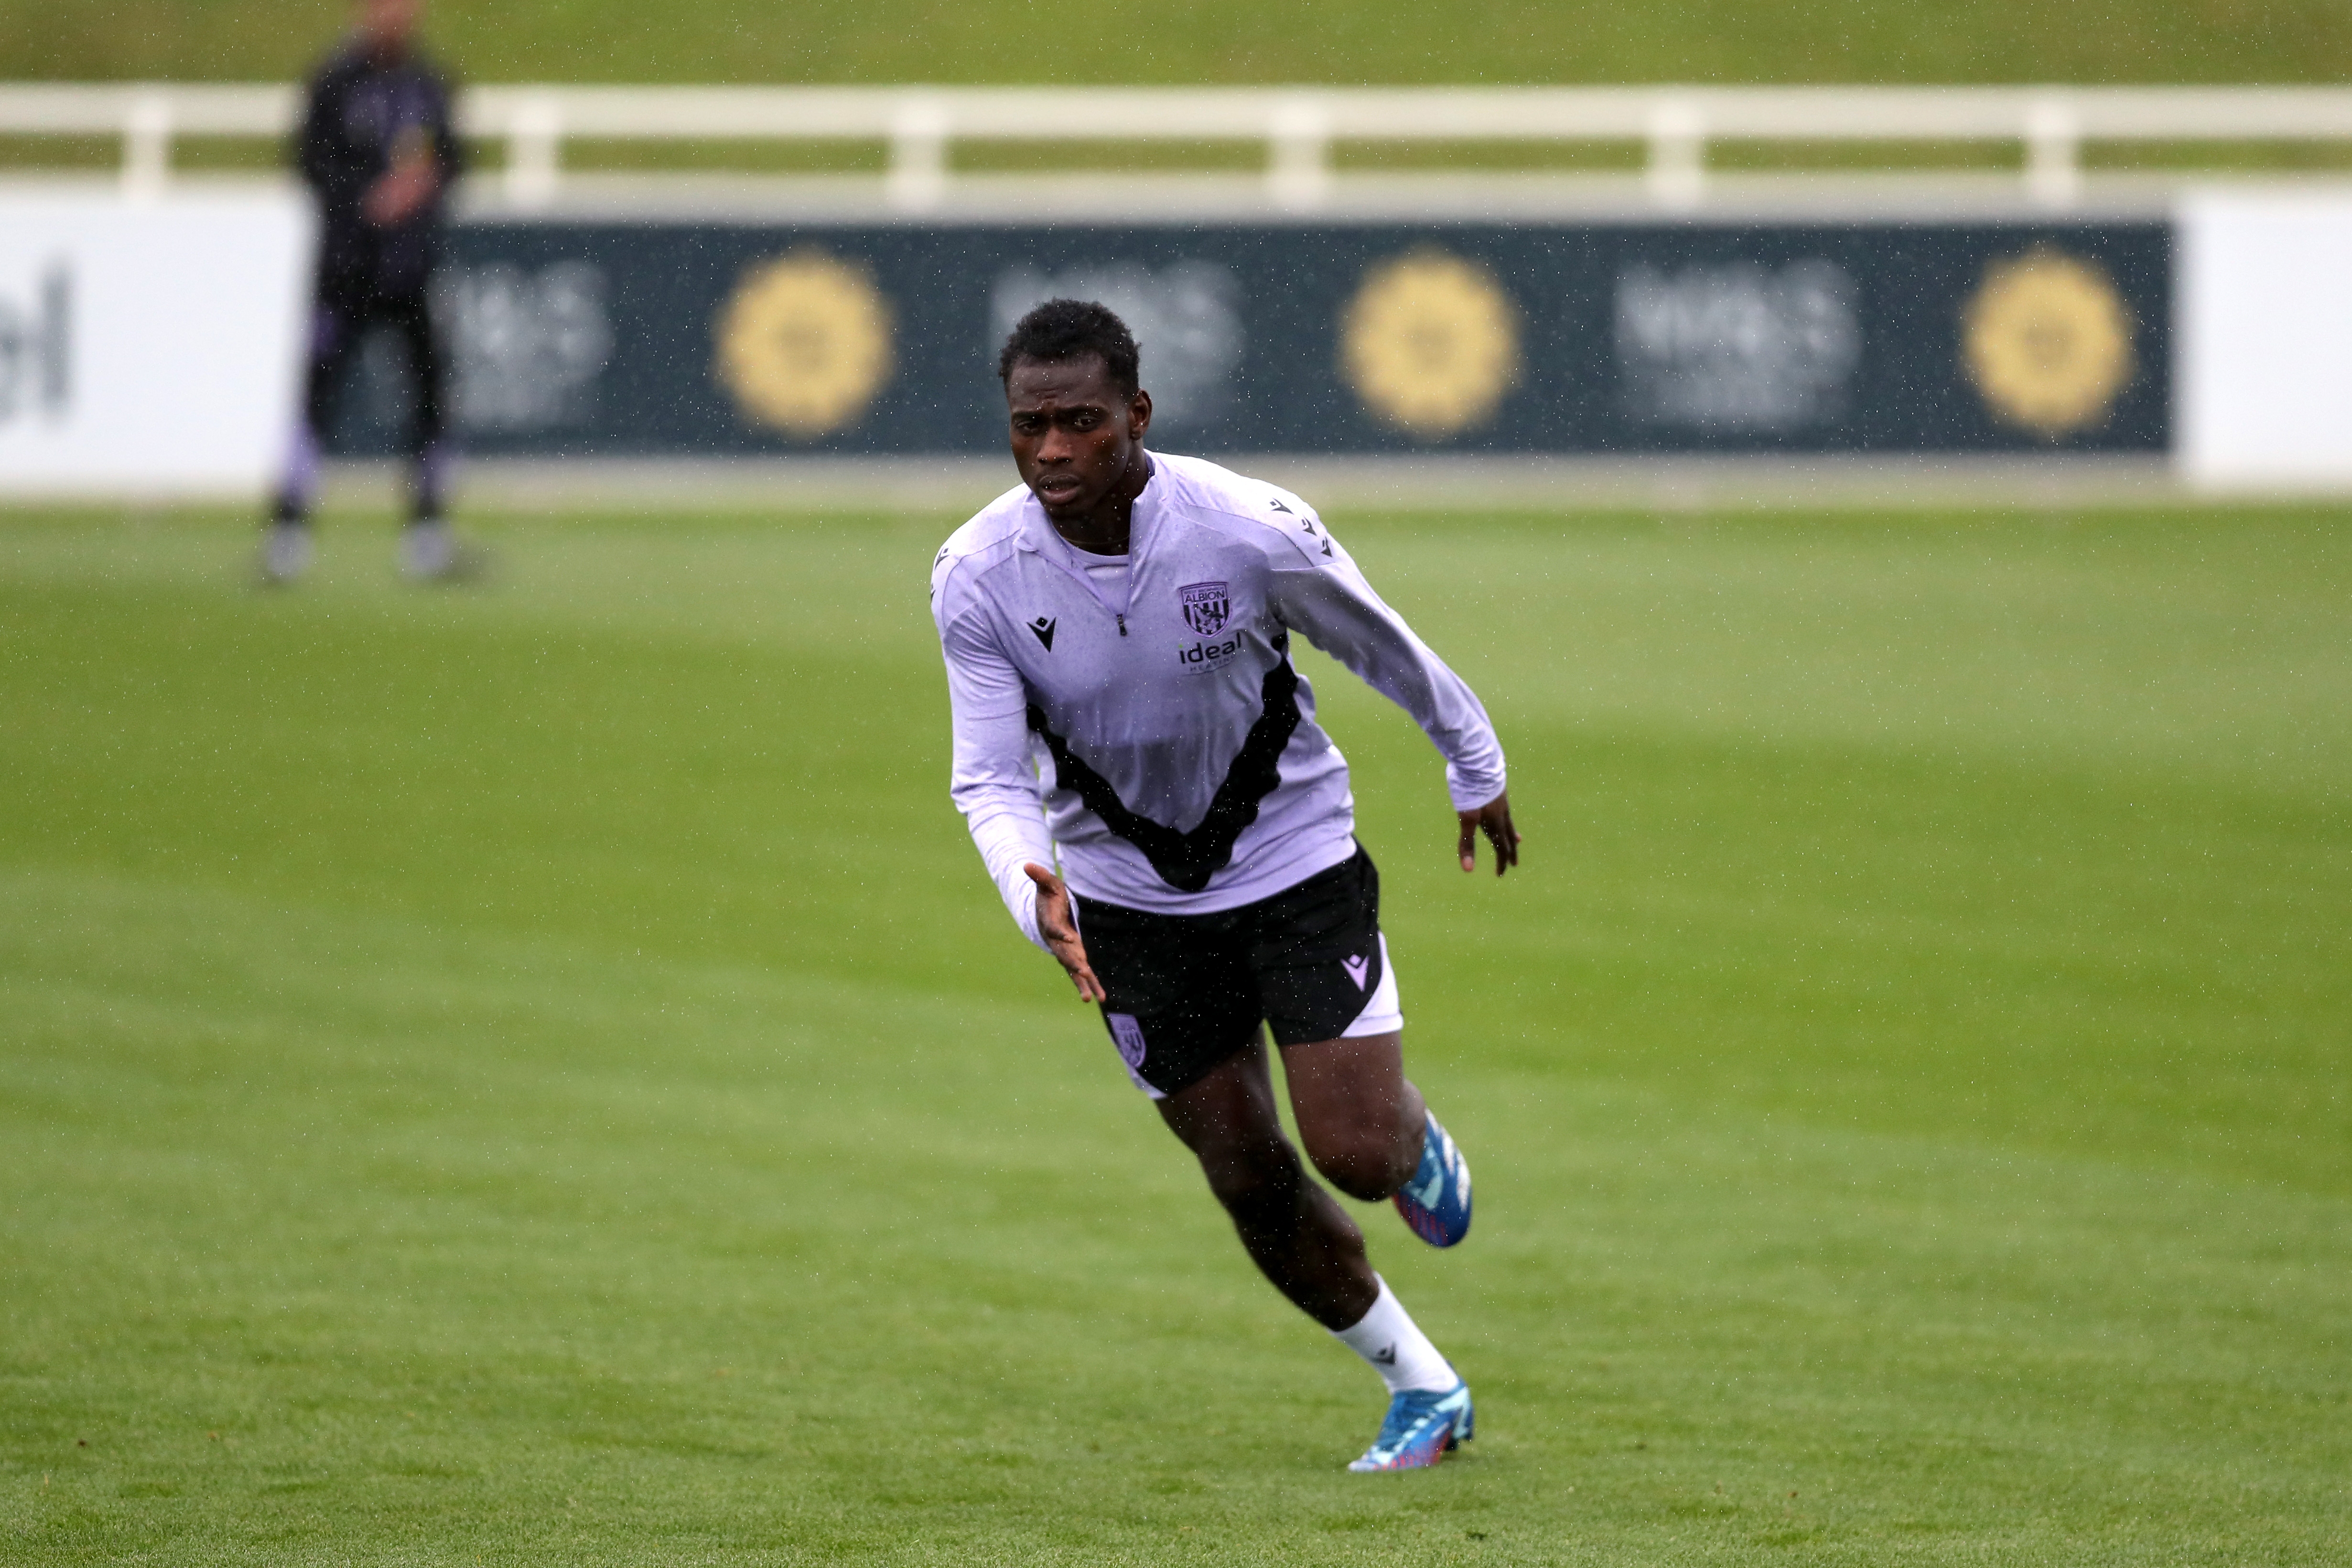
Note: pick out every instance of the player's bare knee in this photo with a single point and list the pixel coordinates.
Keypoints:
(1249, 1177)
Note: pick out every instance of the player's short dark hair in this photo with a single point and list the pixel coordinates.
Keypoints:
(1064, 329)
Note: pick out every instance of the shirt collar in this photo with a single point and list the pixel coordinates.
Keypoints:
(1038, 535)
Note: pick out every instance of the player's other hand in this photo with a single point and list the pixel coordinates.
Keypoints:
(1060, 930)
(1493, 820)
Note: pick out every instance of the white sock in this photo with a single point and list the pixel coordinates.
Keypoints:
(1393, 1345)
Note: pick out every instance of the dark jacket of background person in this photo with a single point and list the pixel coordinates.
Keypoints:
(365, 115)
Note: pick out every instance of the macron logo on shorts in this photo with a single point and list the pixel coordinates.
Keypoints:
(1358, 970)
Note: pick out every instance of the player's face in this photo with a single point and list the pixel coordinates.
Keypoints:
(1074, 433)
(389, 23)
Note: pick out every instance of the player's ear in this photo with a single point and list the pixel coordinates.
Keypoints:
(1138, 414)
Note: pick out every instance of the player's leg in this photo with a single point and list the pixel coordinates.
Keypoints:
(335, 333)
(1355, 1109)
(428, 549)
(1330, 998)
(1314, 1253)
(428, 434)
(1370, 1133)
(335, 329)
(1302, 1241)
(1184, 1014)
(1361, 1119)
(1331, 994)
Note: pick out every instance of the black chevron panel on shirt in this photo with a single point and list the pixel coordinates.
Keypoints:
(1186, 861)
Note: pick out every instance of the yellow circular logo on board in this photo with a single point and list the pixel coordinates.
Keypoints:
(2048, 342)
(804, 343)
(1430, 342)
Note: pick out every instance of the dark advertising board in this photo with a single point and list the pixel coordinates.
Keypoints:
(714, 339)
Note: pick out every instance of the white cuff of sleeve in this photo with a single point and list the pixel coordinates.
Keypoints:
(1470, 793)
(1021, 902)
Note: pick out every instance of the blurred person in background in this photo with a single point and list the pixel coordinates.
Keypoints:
(377, 150)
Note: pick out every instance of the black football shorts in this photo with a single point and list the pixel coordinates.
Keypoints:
(1188, 991)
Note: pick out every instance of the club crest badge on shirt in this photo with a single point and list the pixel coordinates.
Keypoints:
(1206, 606)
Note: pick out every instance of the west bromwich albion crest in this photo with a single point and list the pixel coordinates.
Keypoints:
(1206, 606)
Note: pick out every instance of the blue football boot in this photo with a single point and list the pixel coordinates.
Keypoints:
(1436, 1201)
(1422, 1427)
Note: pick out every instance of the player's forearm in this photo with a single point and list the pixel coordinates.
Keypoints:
(992, 782)
(1346, 620)
(1009, 833)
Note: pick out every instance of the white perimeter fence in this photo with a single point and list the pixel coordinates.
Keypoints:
(150, 326)
(1300, 127)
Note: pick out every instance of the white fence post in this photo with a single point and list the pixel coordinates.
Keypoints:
(2053, 142)
(534, 150)
(1298, 154)
(918, 155)
(1678, 172)
(147, 146)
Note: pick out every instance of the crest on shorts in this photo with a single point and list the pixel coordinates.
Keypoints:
(1206, 606)
(1128, 1036)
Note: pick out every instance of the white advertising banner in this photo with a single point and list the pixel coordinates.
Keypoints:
(147, 347)
(2265, 340)
(151, 347)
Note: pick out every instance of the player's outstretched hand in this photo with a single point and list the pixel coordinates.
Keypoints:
(1493, 819)
(1061, 933)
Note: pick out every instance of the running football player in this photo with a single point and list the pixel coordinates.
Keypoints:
(1117, 632)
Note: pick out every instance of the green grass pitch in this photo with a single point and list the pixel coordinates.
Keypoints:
(535, 1074)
